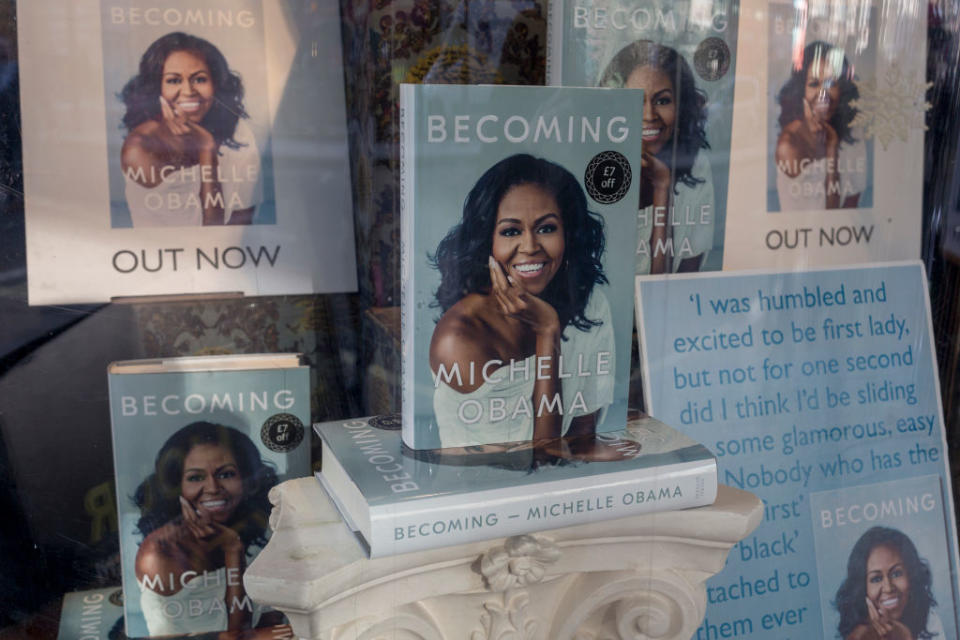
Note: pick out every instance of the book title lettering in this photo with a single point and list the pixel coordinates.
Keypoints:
(182, 18)
(871, 511)
(195, 403)
(645, 19)
(518, 129)
(383, 462)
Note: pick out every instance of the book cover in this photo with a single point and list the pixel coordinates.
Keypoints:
(828, 133)
(222, 117)
(683, 54)
(92, 615)
(802, 383)
(517, 261)
(400, 500)
(198, 443)
(883, 559)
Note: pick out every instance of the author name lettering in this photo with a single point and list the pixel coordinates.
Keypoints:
(547, 511)
(497, 409)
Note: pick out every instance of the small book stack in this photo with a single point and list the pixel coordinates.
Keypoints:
(516, 320)
(398, 500)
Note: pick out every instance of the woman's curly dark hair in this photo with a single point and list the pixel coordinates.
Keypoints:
(158, 497)
(791, 98)
(462, 255)
(690, 133)
(142, 91)
(851, 596)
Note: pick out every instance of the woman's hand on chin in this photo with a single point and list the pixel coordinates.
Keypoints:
(516, 302)
(884, 627)
(211, 534)
(820, 128)
(657, 171)
(196, 137)
(810, 119)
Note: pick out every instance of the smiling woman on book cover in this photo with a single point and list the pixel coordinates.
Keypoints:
(525, 346)
(676, 192)
(204, 512)
(188, 159)
(819, 162)
(887, 592)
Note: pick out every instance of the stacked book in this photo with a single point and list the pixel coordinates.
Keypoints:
(517, 313)
(398, 500)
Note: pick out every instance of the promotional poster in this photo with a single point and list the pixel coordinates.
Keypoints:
(818, 392)
(517, 217)
(683, 54)
(827, 145)
(196, 454)
(818, 156)
(885, 543)
(196, 147)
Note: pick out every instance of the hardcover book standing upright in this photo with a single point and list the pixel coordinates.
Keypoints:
(198, 443)
(683, 54)
(398, 500)
(518, 217)
(194, 146)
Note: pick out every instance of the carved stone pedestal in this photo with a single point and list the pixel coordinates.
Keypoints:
(633, 578)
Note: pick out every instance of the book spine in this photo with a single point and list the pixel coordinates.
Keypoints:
(407, 293)
(394, 530)
(555, 10)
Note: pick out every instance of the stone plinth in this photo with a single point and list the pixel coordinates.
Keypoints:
(632, 578)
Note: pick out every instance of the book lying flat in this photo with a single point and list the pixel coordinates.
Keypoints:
(91, 615)
(399, 500)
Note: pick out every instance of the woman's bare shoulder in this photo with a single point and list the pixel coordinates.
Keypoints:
(788, 152)
(462, 336)
(142, 151)
(156, 560)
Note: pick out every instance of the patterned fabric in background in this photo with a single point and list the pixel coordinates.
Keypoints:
(319, 327)
(387, 42)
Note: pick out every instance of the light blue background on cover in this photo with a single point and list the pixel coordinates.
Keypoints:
(445, 173)
(926, 529)
(124, 45)
(137, 440)
(783, 23)
(586, 54)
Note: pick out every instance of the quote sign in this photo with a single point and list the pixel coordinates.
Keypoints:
(805, 383)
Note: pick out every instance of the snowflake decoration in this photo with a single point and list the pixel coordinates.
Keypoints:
(892, 110)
